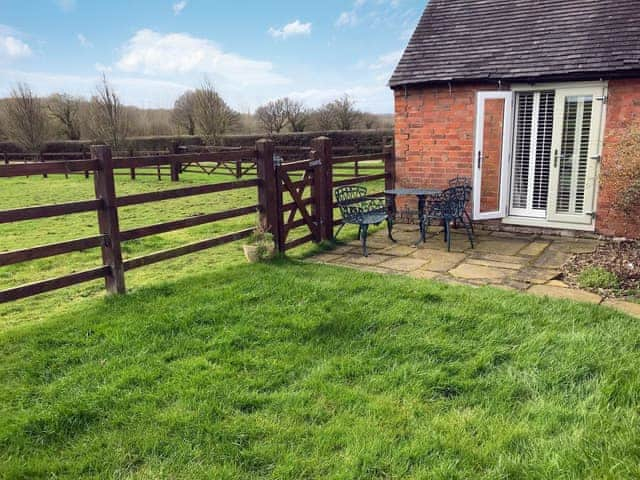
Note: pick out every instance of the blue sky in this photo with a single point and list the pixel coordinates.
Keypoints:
(252, 51)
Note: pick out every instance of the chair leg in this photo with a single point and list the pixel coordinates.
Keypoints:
(447, 234)
(363, 236)
(466, 214)
(469, 228)
(390, 230)
(335, 237)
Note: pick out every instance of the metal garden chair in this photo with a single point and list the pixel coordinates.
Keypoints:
(450, 207)
(459, 181)
(358, 209)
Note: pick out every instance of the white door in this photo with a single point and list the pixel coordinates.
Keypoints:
(492, 153)
(532, 151)
(577, 139)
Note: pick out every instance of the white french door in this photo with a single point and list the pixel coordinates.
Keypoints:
(532, 147)
(494, 113)
(576, 148)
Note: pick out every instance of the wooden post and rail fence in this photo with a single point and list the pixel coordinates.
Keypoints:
(295, 196)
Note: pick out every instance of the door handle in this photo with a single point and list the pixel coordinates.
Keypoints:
(555, 159)
(479, 159)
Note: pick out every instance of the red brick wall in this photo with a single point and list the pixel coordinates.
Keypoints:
(492, 150)
(623, 109)
(434, 134)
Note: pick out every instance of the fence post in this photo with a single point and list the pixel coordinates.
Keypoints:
(104, 184)
(323, 186)
(239, 168)
(269, 195)
(175, 164)
(389, 166)
(41, 159)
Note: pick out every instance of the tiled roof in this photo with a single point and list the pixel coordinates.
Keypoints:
(466, 40)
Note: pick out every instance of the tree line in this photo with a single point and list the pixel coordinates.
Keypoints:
(30, 121)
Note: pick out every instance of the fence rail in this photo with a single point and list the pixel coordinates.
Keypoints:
(292, 196)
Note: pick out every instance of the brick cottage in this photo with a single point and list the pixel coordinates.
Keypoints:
(529, 99)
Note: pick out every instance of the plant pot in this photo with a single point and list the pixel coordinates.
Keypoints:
(251, 253)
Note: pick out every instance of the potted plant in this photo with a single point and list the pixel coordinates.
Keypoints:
(260, 245)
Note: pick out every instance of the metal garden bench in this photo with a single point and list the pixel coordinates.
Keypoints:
(358, 209)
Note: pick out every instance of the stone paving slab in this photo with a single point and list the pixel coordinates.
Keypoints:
(492, 263)
(629, 308)
(424, 274)
(439, 261)
(500, 246)
(500, 258)
(551, 258)
(534, 249)
(468, 271)
(403, 264)
(399, 250)
(372, 259)
(565, 293)
(536, 275)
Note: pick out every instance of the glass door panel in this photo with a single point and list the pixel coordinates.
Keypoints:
(576, 150)
(493, 134)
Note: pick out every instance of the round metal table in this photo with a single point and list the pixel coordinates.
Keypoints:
(421, 193)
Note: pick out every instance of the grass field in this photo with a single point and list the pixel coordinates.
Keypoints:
(23, 192)
(295, 371)
(212, 368)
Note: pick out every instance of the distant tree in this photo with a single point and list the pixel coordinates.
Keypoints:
(108, 118)
(213, 117)
(26, 119)
(65, 111)
(345, 114)
(324, 118)
(184, 111)
(370, 121)
(272, 116)
(297, 114)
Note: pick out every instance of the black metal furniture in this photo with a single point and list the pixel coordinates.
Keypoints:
(422, 194)
(358, 209)
(450, 207)
(459, 181)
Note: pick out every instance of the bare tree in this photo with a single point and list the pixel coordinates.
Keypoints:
(297, 114)
(324, 118)
(184, 111)
(272, 116)
(109, 119)
(213, 117)
(26, 119)
(370, 121)
(345, 114)
(65, 111)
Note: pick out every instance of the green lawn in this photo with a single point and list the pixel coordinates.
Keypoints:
(23, 192)
(291, 370)
(211, 368)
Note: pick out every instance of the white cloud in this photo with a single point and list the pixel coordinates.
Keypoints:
(84, 41)
(153, 53)
(66, 5)
(291, 29)
(178, 7)
(387, 60)
(347, 19)
(103, 68)
(376, 98)
(13, 48)
(142, 92)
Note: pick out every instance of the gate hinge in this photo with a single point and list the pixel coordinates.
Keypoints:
(604, 99)
(591, 214)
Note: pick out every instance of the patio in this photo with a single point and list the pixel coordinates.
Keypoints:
(530, 263)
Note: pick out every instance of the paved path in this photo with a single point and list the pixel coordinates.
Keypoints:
(528, 263)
